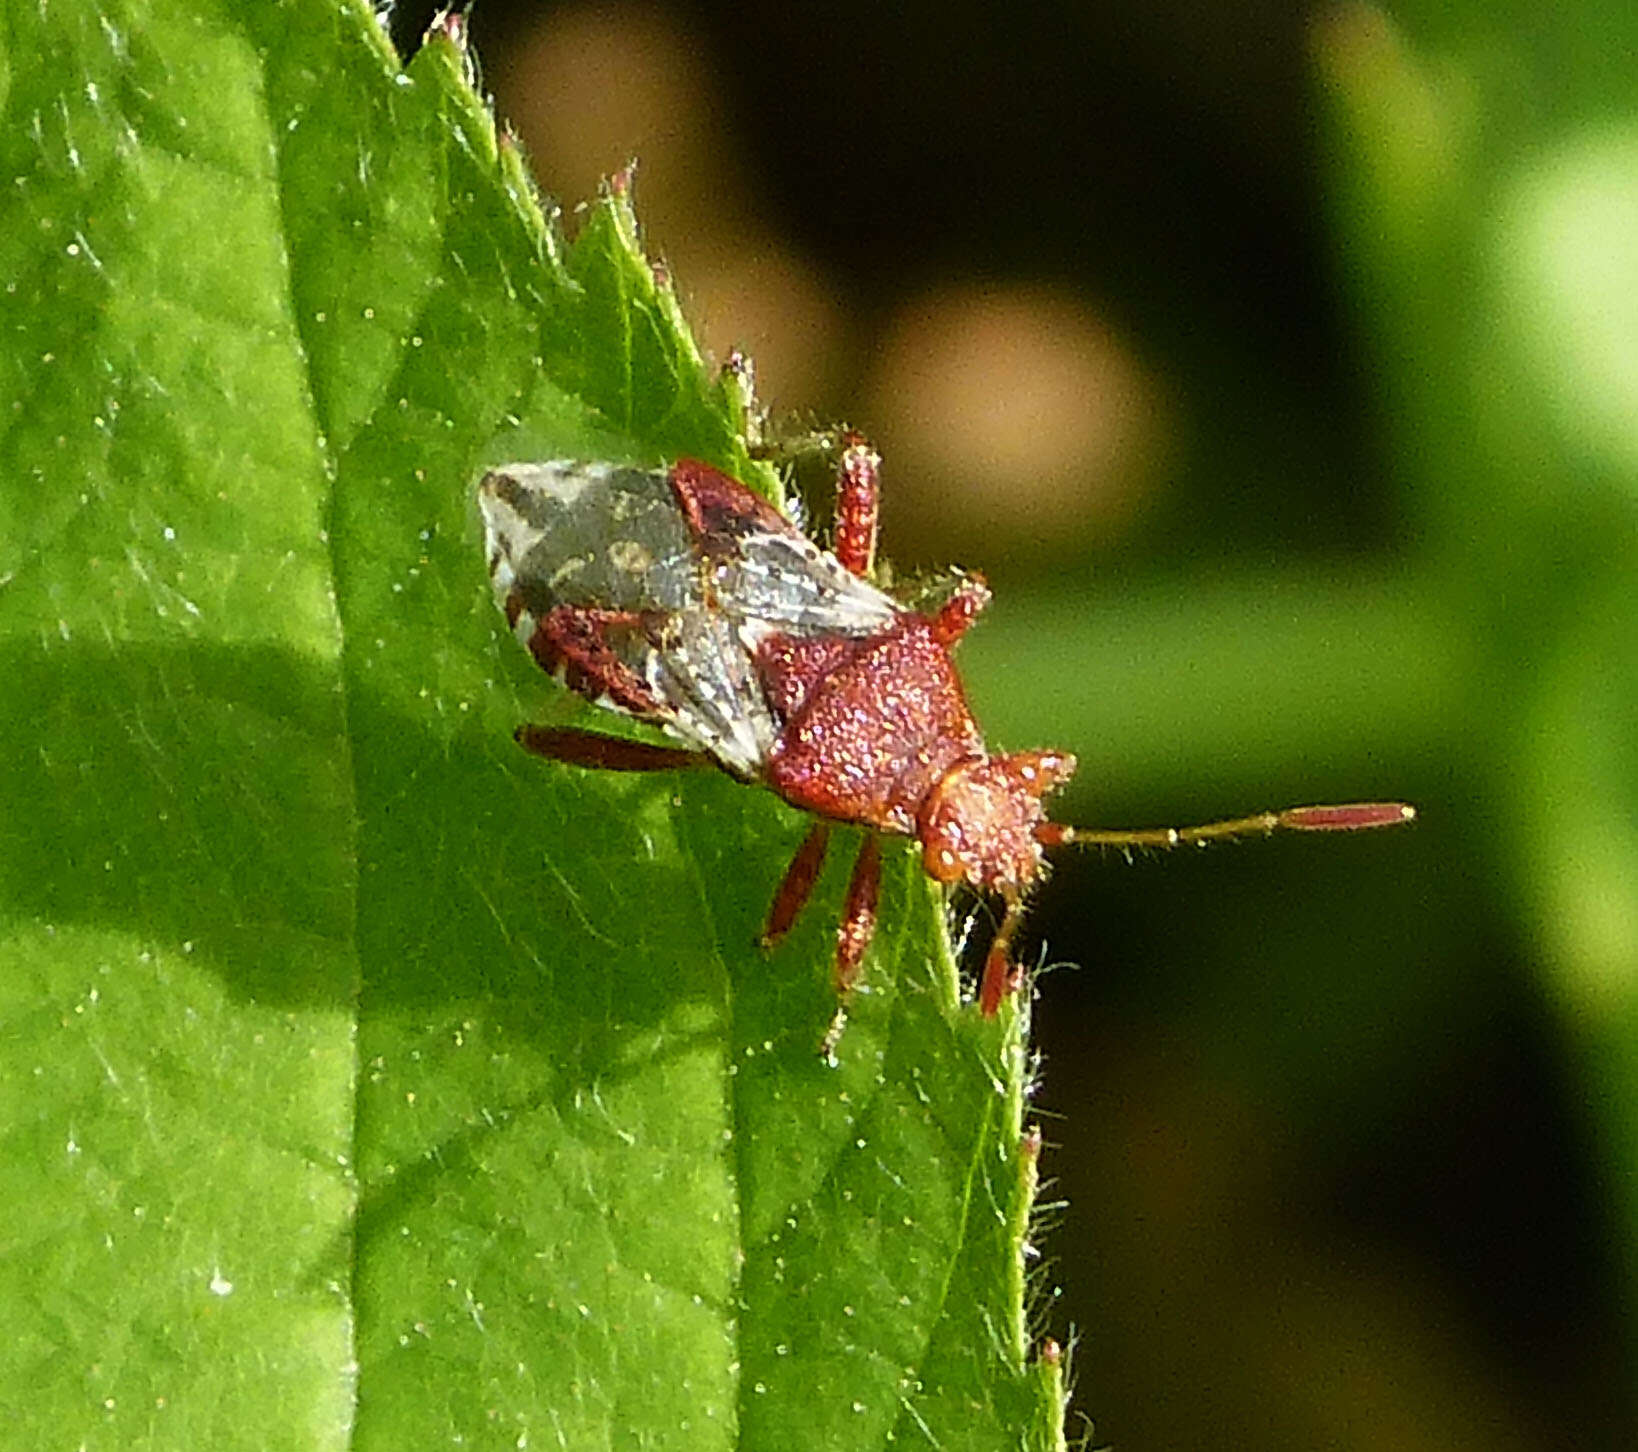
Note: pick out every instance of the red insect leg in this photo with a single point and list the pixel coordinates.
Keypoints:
(858, 925)
(1001, 975)
(797, 885)
(605, 753)
(858, 499)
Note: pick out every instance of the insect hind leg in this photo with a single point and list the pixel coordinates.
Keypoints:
(605, 753)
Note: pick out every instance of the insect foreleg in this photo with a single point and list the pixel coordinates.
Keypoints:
(960, 610)
(1001, 974)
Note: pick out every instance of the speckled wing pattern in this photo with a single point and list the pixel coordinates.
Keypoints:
(682, 603)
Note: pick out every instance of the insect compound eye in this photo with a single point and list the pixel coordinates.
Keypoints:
(940, 855)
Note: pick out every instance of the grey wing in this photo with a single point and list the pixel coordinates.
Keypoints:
(785, 582)
(700, 668)
(609, 540)
(569, 532)
(770, 583)
(566, 532)
(687, 672)
(701, 663)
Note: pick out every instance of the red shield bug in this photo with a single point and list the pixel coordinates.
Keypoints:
(684, 599)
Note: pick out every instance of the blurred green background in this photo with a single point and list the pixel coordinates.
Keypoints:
(1279, 364)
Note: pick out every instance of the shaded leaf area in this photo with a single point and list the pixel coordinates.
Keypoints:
(368, 1082)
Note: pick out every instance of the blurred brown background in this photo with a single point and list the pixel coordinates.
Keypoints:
(1325, 1182)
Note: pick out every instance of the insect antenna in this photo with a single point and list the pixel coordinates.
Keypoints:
(1347, 817)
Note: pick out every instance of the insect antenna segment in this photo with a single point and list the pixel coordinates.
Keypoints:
(1346, 817)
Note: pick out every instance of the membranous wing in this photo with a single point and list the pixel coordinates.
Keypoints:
(648, 592)
(764, 572)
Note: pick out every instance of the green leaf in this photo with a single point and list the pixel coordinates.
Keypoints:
(367, 1082)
